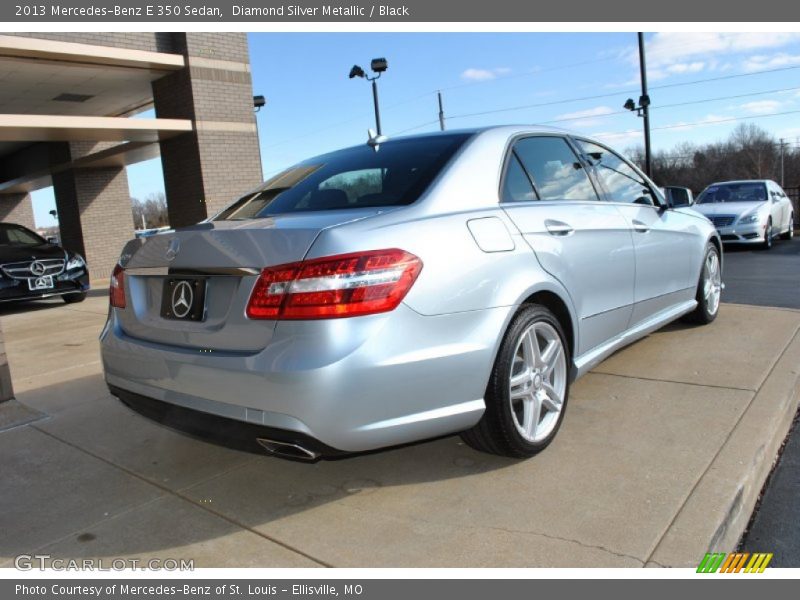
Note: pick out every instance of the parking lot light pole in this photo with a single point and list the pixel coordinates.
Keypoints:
(644, 102)
(378, 66)
(643, 109)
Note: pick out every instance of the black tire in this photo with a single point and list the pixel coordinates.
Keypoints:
(790, 233)
(767, 244)
(703, 315)
(496, 432)
(73, 298)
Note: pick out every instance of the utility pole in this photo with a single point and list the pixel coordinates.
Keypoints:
(783, 145)
(644, 103)
(441, 111)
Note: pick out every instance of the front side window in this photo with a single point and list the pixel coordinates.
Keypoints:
(555, 170)
(622, 182)
(396, 175)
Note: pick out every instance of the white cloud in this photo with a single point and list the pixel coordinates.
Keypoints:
(591, 112)
(618, 138)
(667, 48)
(585, 118)
(761, 107)
(690, 67)
(774, 61)
(474, 74)
(706, 121)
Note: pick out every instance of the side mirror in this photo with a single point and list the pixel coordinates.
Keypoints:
(678, 196)
(52, 239)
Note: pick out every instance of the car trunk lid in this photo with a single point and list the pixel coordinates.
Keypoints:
(224, 258)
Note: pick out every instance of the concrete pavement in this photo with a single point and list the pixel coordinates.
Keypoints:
(663, 451)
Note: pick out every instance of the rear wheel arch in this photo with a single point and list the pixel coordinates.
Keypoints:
(718, 243)
(559, 308)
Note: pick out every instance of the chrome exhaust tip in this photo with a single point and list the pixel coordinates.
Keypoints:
(288, 450)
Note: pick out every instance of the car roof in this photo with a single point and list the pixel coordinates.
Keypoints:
(502, 129)
(741, 181)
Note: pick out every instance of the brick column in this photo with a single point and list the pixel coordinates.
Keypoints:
(208, 168)
(94, 213)
(6, 389)
(17, 208)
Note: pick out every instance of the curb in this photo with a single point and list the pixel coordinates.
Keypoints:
(718, 509)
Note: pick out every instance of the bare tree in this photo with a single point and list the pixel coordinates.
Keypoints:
(748, 153)
(150, 212)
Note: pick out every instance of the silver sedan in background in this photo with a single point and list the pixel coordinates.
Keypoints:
(748, 212)
(397, 291)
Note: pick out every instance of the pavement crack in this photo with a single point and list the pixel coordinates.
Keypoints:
(702, 385)
(178, 494)
(512, 531)
(564, 539)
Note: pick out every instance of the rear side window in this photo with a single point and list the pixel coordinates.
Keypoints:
(620, 180)
(555, 170)
(516, 186)
(396, 175)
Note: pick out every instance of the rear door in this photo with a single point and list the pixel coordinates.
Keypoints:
(781, 206)
(580, 240)
(667, 243)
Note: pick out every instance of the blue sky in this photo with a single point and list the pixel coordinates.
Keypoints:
(313, 107)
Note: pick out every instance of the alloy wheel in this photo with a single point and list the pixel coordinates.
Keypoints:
(712, 284)
(538, 382)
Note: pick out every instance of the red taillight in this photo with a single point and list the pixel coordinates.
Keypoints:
(346, 285)
(116, 292)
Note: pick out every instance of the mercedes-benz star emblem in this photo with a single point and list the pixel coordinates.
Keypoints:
(37, 268)
(182, 297)
(172, 249)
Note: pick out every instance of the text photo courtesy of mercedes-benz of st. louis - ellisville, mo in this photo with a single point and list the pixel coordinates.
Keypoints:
(516, 308)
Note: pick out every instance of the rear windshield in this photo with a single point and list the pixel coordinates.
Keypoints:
(733, 192)
(358, 177)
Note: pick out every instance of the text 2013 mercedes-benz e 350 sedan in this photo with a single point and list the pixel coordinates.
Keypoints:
(435, 284)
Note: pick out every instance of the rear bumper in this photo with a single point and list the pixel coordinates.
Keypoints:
(350, 384)
(230, 432)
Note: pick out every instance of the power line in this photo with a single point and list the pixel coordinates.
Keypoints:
(709, 122)
(653, 107)
(535, 105)
(618, 93)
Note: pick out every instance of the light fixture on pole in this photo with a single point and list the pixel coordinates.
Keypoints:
(378, 66)
(643, 109)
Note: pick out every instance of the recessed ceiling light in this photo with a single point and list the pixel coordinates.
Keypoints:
(67, 97)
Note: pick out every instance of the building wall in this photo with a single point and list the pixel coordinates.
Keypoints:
(17, 208)
(152, 42)
(206, 170)
(95, 219)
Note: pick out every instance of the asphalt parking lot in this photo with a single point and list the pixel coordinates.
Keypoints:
(662, 455)
(772, 279)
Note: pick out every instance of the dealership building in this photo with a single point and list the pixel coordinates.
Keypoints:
(70, 107)
(68, 119)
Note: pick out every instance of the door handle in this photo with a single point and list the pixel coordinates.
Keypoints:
(558, 227)
(639, 226)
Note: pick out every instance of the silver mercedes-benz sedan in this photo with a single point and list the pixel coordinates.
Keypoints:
(748, 212)
(403, 290)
